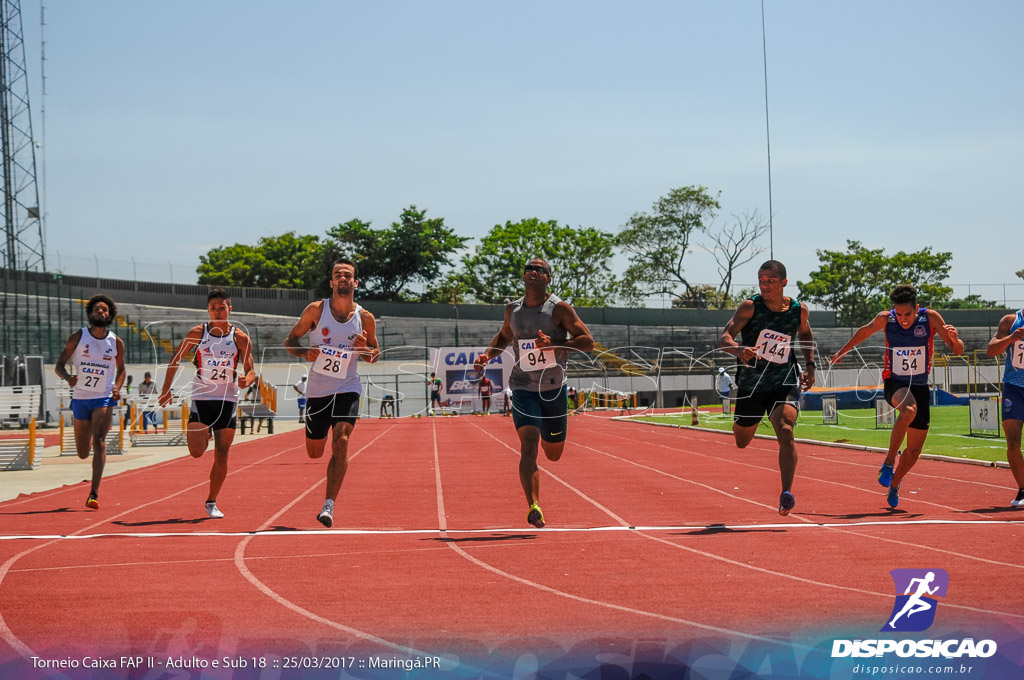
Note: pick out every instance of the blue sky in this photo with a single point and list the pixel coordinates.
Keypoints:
(182, 126)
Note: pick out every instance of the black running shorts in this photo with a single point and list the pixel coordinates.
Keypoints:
(323, 413)
(214, 413)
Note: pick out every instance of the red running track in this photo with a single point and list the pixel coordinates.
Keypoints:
(654, 534)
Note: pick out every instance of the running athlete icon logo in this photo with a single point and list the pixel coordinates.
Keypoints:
(914, 609)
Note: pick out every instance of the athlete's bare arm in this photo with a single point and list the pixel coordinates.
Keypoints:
(120, 375)
(188, 344)
(307, 322)
(498, 343)
(948, 333)
(366, 342)
(564, 316)
(806, 337)
(61, 368)
(862, 334)
(1003, 337)
(727, 341)
(244, 345)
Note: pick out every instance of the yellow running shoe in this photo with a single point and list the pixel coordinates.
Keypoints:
(536, 516)
(93, 502)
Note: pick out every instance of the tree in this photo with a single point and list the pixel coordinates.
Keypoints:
(973, 301)
(411, 251)
(856, 283)
(286, 261)
(733, 246)
(579, 258)
(452, 289)
(656, 243)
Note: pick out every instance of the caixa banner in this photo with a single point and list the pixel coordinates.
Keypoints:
(460, 384)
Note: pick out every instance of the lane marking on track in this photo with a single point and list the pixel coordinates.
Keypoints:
(767, 468)
(624, 526)
(724, 528)
(243, 569)
(5, 631)
(843, 528)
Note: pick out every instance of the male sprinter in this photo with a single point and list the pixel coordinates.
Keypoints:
(98, 356)
(1009, 338)
(768, 378)
(909, 338)
(342, 332)
(542, 328)
(218, 349)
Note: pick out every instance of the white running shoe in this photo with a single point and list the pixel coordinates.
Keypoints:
(326, 516)
(213, 511)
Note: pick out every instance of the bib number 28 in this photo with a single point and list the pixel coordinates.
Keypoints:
(332, 362)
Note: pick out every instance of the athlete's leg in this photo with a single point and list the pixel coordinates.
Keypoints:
(529, 473)
(218, 473)
(915, 442)
(101, 419)
(743, 435)
(783, 419)
(338, 465)
(1012, 430)
(83, 437)
(553, 450)
(902, 399)
(315, 447)
(198, 438)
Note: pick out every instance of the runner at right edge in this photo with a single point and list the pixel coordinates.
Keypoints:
(1009, 338)
(768, 379)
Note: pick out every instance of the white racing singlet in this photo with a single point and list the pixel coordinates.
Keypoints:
(95, 362)
(334, 370)
(216, 362)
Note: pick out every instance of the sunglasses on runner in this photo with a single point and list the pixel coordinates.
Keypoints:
(536, 268)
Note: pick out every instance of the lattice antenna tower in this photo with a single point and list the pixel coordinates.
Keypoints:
(23, 246)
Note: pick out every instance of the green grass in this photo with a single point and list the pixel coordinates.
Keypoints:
(948, 434)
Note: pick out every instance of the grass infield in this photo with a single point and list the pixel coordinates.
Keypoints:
(948, 433)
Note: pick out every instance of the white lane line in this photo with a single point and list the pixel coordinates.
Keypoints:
(785, 575)
(507, 530)
(239, 560)
(624, 526)
(5, 631)
(839, 528)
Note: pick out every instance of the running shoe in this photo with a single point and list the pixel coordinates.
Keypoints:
(786, 503)
(536, 516)
(326, 516)
(93, 501)
(885, 475)
(893, 499)
(1018, 502)
(213, 511)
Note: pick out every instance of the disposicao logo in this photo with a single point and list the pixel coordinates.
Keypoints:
(914, 611)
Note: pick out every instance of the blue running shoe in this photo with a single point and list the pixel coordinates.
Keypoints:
(894, 496)
(885, 475)
(786, 503)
